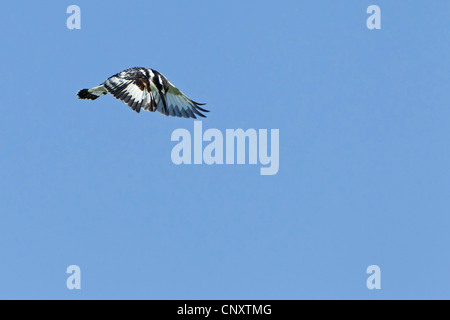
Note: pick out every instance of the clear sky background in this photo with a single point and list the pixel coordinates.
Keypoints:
(364, 151)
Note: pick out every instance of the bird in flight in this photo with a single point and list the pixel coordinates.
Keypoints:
(147, 89)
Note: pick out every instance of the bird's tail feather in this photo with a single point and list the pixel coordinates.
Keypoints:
(92, 93)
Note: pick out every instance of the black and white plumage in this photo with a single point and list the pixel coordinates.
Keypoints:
(146, 89)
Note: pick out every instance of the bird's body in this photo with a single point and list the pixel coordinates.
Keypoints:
(147, 89)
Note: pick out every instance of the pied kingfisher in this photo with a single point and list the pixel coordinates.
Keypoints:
(146, 89)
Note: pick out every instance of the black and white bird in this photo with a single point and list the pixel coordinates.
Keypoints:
(146, 89)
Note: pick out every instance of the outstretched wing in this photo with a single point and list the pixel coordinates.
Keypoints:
(178, 104)
(133, 87)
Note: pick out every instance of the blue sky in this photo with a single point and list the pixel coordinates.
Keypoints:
(363, 179)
